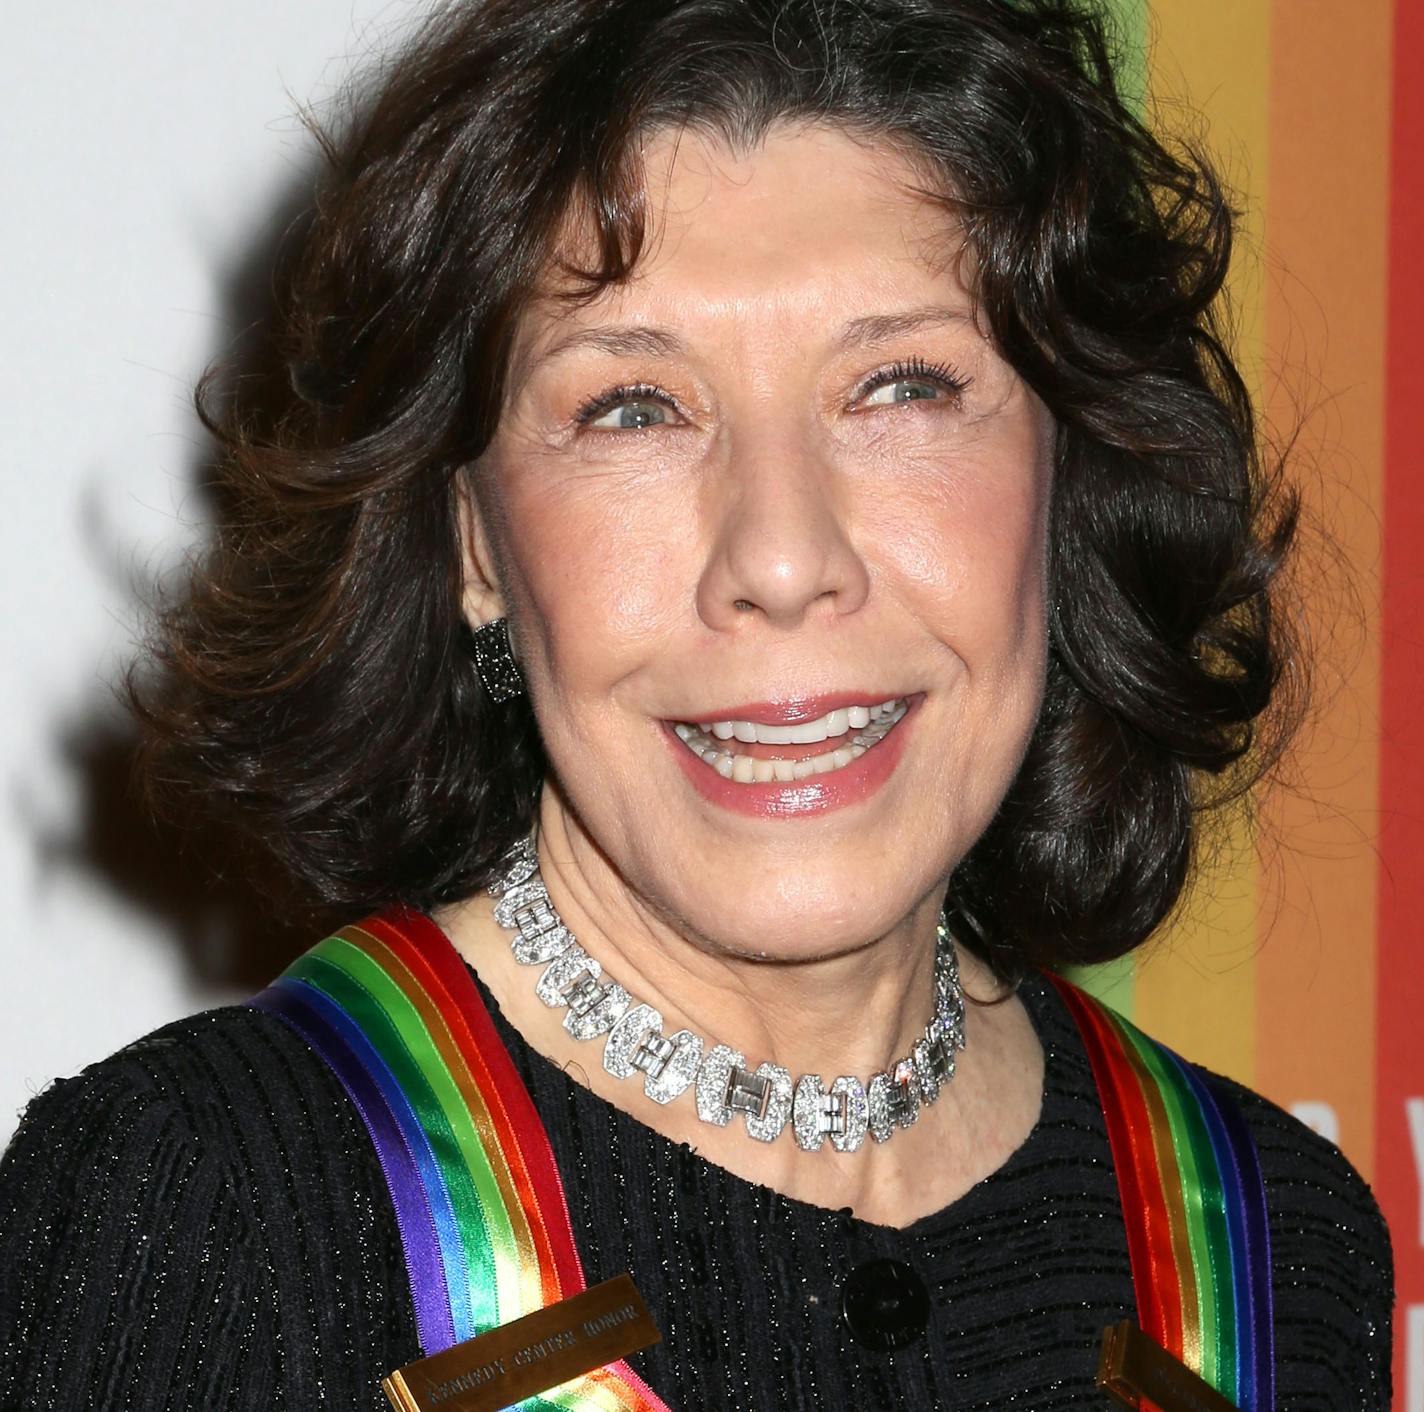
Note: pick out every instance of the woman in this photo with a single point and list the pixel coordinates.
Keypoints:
(779, 456)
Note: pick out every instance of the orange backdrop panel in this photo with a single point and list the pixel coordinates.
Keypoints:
(1294, 965)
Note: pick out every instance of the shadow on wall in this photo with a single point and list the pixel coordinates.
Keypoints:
(198, 885)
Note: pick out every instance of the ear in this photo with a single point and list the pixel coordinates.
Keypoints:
(481, 599)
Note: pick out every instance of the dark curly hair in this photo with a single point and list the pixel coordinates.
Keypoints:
(314, 679)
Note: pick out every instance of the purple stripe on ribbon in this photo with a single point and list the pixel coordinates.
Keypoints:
(454, 1269)
(396, 1136)
(1258, 1241)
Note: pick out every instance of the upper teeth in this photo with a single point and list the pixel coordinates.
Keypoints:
(870, 723)
(827, 727)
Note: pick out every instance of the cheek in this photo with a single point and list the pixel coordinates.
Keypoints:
(964, 537)
(595, 568)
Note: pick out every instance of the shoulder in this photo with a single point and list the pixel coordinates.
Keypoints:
(174, 1212)
(1331, 1268)
(1316, 1198)
(233, 1087)
(1322, 1210)
(1331, 1263)
(222, 1051)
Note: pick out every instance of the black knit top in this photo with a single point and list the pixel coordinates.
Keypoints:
(200, 1222)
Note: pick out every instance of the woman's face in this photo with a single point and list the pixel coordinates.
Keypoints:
(776, 481)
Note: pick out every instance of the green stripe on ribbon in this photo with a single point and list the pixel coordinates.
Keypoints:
(361, 986)
(1208, 1234)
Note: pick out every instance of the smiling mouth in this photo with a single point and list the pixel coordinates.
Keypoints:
(748, 752)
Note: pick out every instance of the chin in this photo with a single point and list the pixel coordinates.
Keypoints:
(786, 884)
(789, 904)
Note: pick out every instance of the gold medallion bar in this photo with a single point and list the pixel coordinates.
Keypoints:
(530, 1355)
(1139, 1373)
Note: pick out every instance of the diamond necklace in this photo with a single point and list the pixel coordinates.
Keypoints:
(722, 1084)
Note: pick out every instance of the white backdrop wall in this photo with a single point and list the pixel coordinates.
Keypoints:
(149, 156)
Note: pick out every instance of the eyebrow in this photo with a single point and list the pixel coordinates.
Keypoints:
(619, 340)
(631, 341)
(882, 328)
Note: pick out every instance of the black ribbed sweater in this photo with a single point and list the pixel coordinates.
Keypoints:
(200, 1222)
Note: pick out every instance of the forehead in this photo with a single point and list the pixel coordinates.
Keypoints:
(810, 224)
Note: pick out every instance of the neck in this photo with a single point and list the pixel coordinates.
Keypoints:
(852, 1011)
(845, 1012)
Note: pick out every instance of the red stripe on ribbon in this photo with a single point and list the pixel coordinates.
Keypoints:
(417, 939)
(430, 955)
(1155, 1278)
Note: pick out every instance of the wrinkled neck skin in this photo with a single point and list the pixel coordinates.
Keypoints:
(850, 1013)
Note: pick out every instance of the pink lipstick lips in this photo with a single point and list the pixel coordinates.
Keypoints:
(794, 757)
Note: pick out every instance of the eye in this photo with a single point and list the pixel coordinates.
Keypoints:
(629, 409)
(903, 390)
(913, 380)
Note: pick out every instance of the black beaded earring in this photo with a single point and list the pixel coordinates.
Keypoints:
(494, 661)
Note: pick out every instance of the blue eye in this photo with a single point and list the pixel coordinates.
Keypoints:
(628, 409)
(630, 416)
(911, 381)
(903, 390)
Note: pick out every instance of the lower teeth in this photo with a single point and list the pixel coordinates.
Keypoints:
(743, 769)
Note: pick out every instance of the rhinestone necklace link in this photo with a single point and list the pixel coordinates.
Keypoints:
(722, 1084)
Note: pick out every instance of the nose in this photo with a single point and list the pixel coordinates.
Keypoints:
(782, 548)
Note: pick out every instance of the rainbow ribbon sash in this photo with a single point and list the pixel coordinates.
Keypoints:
(391, 1008)
(389, 1005)
(1194, 1204)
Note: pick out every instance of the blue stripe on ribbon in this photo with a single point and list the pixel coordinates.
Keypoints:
(434, 1255)
(1234, 1202)
(453, 1269)
(1258, 1240)
(359, 1013)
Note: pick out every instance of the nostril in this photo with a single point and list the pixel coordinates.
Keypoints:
(744, 605)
